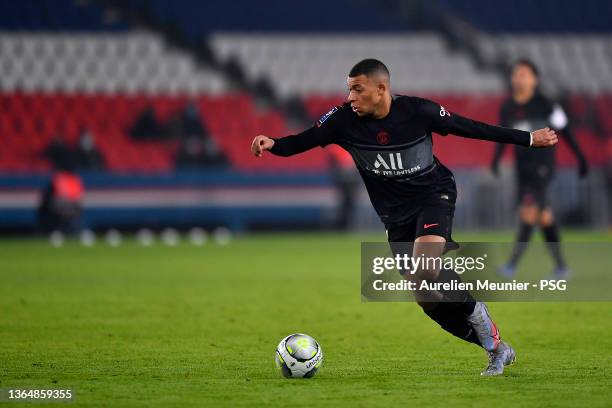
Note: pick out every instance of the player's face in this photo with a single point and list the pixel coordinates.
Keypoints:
(365, 94)
(523, 79)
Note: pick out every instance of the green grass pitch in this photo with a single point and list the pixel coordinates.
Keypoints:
(196, 326)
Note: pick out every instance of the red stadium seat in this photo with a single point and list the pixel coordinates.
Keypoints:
(29, 121)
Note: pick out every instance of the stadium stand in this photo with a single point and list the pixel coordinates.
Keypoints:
(59, 83)
(418, 62)
(197, 18)
(96, 69)
(536, 17)
(28, 124)
(576, 63)
(101, 63)
(53, 15)
(67, 65)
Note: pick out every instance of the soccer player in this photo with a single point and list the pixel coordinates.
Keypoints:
(528, 109)
(390, 139)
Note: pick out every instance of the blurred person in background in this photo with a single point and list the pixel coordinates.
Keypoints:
(61, 203)
(60, 154)
(146, 126)
(528, 109)
(197, 149)
(346, 180)
(87, 155)
(188, 123)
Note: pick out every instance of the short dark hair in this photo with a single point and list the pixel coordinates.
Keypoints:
(369, 67)
(528, 63)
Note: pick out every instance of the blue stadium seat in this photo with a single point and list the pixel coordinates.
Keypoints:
(55, 15)
(542, 16)
(198, 18)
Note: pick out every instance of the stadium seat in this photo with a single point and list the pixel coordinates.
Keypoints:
(66, 67)
(418, 62)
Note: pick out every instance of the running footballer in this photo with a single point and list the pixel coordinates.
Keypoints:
(390, 139)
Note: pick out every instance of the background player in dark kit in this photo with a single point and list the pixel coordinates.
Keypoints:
(390, 140)
(528, 109)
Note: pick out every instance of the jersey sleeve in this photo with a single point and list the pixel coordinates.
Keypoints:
(321, 134)
(438, 119)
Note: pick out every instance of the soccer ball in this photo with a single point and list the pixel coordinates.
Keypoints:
(299, 355)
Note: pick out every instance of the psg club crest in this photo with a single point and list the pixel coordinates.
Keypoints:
(383, 138)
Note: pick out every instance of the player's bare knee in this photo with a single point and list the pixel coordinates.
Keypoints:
(428, 249)
(529, 214)
(546, 217)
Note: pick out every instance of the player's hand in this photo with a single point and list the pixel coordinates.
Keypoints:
(260, 144)
(583, 168)
(544, 138)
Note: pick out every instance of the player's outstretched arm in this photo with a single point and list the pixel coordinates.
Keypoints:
(288, 145)
(318, 135)
(444, 122)
(473, 129)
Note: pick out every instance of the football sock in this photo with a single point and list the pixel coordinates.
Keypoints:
(522, 238)
(452, 319)
(451, 315)
(461, 299)
(551, 235)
